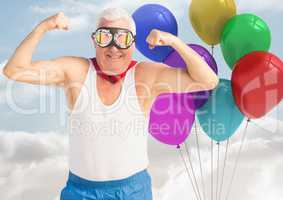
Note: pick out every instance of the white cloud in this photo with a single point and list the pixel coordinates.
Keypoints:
(32, 165)
(260, 5)
(82, 14)
(79, 22)
(36, 164)
(178, 9)
(262, 149)
(70, 6)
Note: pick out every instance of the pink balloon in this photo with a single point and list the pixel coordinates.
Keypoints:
(171, 118)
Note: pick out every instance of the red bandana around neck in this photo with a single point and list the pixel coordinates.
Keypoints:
(111, 78)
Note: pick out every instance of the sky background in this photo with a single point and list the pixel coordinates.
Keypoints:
(33, 146)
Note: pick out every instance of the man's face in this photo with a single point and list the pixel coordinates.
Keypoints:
(111, 59)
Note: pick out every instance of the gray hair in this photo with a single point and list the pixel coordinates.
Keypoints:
(113, 14)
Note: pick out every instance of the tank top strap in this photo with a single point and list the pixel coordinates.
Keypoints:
(83, 99)
(130, 81)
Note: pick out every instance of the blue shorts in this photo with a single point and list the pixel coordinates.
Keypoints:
(135, 187)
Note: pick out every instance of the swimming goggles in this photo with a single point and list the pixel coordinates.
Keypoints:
(119, 37)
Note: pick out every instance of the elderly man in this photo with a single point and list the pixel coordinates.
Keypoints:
(107, 96)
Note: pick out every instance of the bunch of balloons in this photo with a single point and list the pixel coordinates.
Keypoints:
(257, 75)
(256, 85)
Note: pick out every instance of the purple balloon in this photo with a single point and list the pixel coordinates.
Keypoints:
(171, 118)
(175, 60)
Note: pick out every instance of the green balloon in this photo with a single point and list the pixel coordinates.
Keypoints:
(243, 34)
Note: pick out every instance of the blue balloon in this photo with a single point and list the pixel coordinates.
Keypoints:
(220, 117)
(153, 16)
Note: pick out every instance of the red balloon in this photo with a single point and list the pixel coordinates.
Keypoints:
(257, 83)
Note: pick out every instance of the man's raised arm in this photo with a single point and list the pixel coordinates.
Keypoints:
(198, 76)
(20, 66)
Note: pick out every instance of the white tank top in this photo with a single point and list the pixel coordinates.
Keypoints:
(107, 142)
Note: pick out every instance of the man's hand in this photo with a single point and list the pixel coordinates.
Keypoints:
(159, 38)
(57, 21)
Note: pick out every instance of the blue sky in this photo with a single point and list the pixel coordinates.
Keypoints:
(32, 145)
(20, 17)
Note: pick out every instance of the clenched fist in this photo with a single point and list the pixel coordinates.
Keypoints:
(159, 38)
(58, 21)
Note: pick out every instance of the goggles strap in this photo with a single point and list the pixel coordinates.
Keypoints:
(111, 78)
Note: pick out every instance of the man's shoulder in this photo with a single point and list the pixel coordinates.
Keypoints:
(151, 65)
(75, 60)
(150, 69)
(147, 71)
(75, 66)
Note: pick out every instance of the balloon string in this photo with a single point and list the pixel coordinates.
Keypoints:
(212, 50)
(237, 159)
(217, 178)
(211, 150)
(200, 163)
(223, 171)
(226, 154)
(188, 173)
(191, 166)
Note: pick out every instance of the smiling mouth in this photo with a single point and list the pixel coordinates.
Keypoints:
(114, 56)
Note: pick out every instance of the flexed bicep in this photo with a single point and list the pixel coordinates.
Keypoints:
(173, 80)
(43, 72)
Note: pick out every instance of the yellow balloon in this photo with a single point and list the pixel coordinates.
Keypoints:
(209, 16)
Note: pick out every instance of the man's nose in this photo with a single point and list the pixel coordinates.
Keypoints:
(113, 48)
